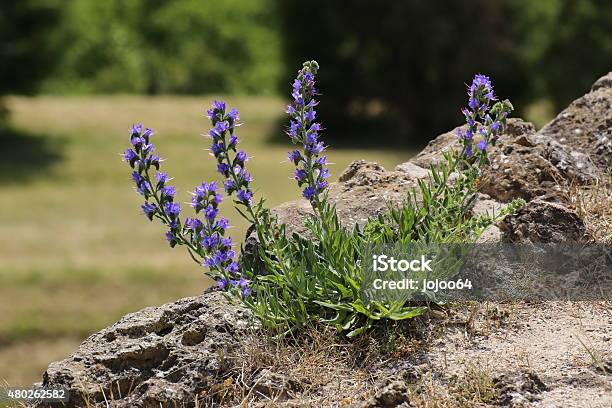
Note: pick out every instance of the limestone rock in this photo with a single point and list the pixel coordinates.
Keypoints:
(519, 167)
(584, 129)
(541, 221)
(603, 82)
(517, 171)
(412, 170)
(154, 357)
(485, 205)
(392, 395)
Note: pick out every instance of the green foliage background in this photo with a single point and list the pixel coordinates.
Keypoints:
(388, 68)
(156, 46)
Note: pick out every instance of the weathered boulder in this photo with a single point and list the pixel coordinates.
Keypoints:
(541, 221)
(579, 139)
(155, 357)
(519, 167)
(519, 170)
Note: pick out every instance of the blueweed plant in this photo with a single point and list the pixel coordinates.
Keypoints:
(315, 278)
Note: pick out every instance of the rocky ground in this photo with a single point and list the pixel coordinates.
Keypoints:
(203, 351)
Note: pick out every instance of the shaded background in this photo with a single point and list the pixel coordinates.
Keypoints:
(75, 254)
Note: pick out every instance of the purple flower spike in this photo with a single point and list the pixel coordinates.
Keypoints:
(230, 162)
(305, 131)
(482, 118)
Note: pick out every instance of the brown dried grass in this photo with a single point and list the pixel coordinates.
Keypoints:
(593, 203)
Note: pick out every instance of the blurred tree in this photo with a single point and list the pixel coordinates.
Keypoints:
(567, 44)
(183, 46)
(397, 68)
(25, 55)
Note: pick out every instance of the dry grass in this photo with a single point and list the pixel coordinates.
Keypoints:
(594, 205)
(320, 368)
(474, 388)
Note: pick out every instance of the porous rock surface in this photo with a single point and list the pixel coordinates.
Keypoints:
(541, 221)
(164, 356)
(156, 357)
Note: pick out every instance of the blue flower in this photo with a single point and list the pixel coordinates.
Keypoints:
(481, 118)
(222, 224)
(233, 114)
(149, 210)
(223, 168)
(137, 142)
(309, 192)
(205, 238)
(300, 175)
(482, 145)
(137, 178)
(136, 129)
(219, 105)
(161, 177)
(146, 135)
(130, 156)
(171, 239)
(294, 156)
(210, 241)
(241, 157)
(217, 148)
(172, 209)
(223, 283)
(233, 268)
(244, 196)
(210, 212)
(232, 167)
(468, 152)
(193, 224)
(168, 193)
(229, 186)
(144, 188)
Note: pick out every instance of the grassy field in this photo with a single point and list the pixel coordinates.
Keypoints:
(75, 252)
